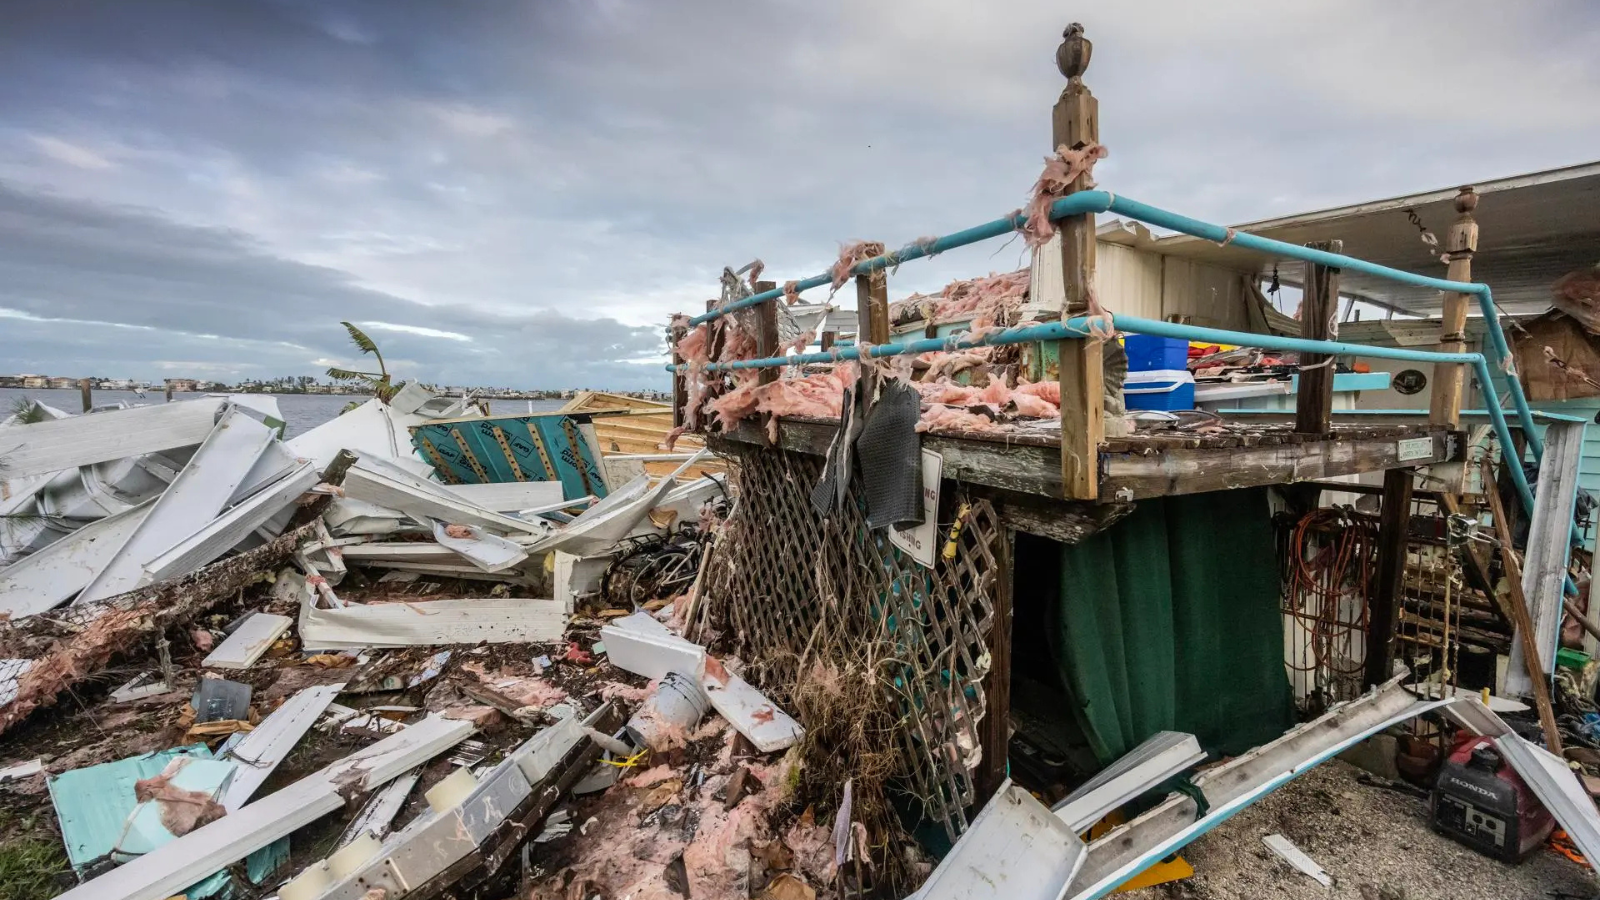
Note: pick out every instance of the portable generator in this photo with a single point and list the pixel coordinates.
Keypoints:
(1480, 801)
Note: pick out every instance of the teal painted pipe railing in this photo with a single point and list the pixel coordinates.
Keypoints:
(1105, 201)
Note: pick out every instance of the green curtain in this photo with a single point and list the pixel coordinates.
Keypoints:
(1169, 620)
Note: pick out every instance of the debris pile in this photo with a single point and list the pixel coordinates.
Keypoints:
(375, 681)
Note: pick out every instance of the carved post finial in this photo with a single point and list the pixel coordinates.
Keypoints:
(1466, 200)
(1072, 57)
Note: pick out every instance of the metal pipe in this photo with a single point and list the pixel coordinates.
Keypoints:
(1078, 328)
(1105, 201)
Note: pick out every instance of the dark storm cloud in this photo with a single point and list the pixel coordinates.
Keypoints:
(605, 158)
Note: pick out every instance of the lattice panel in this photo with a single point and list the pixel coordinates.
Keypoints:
(787, 580)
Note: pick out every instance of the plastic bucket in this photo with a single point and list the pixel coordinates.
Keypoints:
(675, 706)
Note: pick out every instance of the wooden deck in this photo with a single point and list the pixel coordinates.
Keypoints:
(1138, 467)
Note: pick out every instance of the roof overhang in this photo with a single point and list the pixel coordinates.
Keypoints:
(1533, 229)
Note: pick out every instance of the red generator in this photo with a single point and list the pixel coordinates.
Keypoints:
(1480, 801)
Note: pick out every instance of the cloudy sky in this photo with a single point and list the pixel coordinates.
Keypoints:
(519, 192)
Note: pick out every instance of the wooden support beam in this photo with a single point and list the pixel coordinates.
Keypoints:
(680, 383)
(1519, 613)
(766, 316)
(872, 306)
(88, 396)
(1319, 307)
(1075, 123)
(995, 729)
(1462, 242)
(1383, 610)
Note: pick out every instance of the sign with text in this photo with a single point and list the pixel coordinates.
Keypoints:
(922, 541)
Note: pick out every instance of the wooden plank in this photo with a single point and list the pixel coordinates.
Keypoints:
(1319, 307)
(1538, 681)
(1075, 122)
(1383, 612)
(1132, 476)
(74, 441)
(1444, 407)
(248, 642)
(872, 305)
(171, 868)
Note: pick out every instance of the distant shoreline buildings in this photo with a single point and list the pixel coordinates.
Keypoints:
(300, 384)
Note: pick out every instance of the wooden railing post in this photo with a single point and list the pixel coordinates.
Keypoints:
(872, 306)
(1319, 304)
(1075, 123)
(1383, 611)
(766, 330)
(680, 383)
(1462, 242)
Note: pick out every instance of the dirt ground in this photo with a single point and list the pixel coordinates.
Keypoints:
(1376, 843)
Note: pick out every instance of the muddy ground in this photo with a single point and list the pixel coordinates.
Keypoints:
(1376, 843)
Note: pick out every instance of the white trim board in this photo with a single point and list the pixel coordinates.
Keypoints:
(171, 868)
(193, 499)
(431, 622)
(48, 578)
(100, 437)
(1014, 850)
(1159, 757)
(1544, 570)
(251, 639)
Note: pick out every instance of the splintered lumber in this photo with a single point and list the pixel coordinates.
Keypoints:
(100, 437)
(432, 622)
(1537, 681)
(174, 866)
(190, 503)
(60, 657)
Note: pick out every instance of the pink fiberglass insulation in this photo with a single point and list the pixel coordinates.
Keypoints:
(850, 254)
(1044, 390)
(949, 418)
(1060, 173)
(820, 395)
(990, 299)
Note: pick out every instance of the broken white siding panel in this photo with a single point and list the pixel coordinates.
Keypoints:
(598, 528)
(1544, 571)
(577, 576)
(487, 551)
(346, 516)
(171, 868)
(271, 742)
(227, 530)
(49, 577)
(251, 639)
(274, 464)
(1015, 850)
(97, 437)
(750, 713)
(1296, 857)
(1236, 784)
(510, 497)
(194, 498)
(377, 814)
(438, 839)
(1557, 788)
(434, 622)
(653, 655)
(420, 501)
(1158, 758)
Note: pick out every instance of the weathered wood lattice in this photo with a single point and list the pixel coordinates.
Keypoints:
(795, 588)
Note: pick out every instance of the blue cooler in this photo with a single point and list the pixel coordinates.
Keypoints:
(1147, 354)
(1159, 389)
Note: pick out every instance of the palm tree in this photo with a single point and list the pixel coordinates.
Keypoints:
(378, 381)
